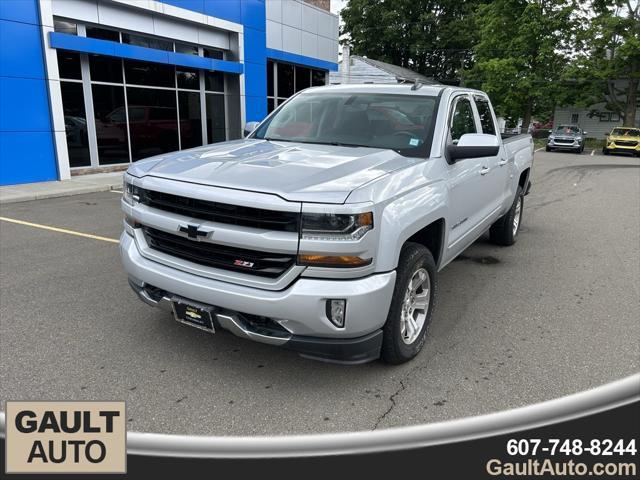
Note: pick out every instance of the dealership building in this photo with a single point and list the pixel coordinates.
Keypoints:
(93, 85)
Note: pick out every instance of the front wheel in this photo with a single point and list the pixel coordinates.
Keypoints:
(605, 151)
(411, 306)
(505, 230)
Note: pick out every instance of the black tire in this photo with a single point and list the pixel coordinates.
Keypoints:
(502, 231)
(605, 151)
(395, 350)
(548, 149)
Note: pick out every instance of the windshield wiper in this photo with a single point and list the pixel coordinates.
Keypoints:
(271, 139)
(335, 144)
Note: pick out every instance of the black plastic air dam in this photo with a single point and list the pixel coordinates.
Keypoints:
(352, 351)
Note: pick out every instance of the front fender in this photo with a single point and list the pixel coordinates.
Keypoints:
(406, 215)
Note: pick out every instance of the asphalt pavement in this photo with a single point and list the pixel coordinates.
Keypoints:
(555, 314)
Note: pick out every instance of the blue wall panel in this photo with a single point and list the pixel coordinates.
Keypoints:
(301, 59)
(254, 14)
(25, 11)
(15, 40)
(255, 59)
(26, 157)
(22, 101)
(225, 9)
(26, 135)
(121, 50)
(255, 46)
(255, 88)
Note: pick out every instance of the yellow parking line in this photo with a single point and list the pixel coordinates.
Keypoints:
(59, 230)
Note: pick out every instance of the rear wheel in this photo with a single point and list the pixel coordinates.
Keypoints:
(411, 306)
(505, 230)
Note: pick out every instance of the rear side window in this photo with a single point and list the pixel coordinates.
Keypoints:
(486, 119)
(462, 120)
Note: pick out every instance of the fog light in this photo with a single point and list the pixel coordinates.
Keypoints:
(336, 308)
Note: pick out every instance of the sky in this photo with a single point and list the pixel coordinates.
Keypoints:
(336, 5)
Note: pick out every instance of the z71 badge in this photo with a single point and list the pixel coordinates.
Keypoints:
(243, 263)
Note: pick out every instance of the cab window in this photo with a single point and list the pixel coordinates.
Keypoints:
(462, 119)
(486, 119)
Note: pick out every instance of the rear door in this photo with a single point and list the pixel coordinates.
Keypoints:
(497, 179)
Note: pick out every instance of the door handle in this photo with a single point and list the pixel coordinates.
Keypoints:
(502, 162)
(484, 170)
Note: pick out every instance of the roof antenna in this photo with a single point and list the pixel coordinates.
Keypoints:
(416, 84)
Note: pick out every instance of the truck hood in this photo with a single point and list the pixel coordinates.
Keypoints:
(294, 171)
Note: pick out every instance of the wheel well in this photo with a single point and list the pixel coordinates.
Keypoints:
(432, 237)
(524, 176)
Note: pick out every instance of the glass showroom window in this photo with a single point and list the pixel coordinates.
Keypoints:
(75, 117)
(284, 79)
(216, 118)
(117, 111)
(140, 109)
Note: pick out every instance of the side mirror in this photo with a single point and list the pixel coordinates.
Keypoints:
(473, 145)
(250, 127)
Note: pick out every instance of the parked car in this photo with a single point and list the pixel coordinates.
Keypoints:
(327, 241)
(623, 140)
(567, 137)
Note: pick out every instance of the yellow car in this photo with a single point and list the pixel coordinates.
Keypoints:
(623, 140)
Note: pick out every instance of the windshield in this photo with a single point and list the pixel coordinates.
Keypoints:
(403, 123)
(626, 132)
(567, 129)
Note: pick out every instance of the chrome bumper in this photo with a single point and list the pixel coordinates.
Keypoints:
(300, 308)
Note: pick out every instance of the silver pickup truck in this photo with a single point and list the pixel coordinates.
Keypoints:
(324, 229)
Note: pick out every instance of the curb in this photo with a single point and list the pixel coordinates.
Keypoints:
(67, 191)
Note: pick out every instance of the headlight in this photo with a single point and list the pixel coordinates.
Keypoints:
(329, 226)
(130, 193)
(551, 137)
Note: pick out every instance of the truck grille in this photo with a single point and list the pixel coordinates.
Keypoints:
(626, 143)
(564, 140)
(221, 212)
(252, 262)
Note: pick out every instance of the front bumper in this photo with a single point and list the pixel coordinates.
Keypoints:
(300, 309)
(614, 147)
(575, 145)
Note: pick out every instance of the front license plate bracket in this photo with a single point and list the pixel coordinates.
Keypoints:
(193, 314)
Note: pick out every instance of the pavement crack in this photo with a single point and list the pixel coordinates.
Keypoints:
(392, 399)
(403, 386)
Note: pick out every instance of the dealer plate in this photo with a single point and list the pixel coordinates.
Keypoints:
(198, 316)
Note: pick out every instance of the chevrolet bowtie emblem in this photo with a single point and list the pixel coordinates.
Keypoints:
(192, 231)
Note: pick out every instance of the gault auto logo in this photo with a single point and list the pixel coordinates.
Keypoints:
(65, 437)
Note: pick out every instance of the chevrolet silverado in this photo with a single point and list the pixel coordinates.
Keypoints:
(324, 229)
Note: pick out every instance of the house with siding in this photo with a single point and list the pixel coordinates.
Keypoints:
(596, 120)
(357, 69)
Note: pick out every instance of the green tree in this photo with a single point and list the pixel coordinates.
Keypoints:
(432, 37)
(522, 51)
(607, 67)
